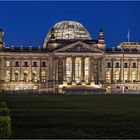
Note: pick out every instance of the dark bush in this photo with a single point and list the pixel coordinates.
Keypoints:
(5, 127)
(4, 111)
(3, 104)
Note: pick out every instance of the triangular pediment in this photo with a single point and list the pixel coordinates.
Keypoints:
(79, 47)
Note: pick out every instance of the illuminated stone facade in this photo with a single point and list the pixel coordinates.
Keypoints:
(71, 59)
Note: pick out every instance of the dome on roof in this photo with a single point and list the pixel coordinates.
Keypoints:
(66, 30)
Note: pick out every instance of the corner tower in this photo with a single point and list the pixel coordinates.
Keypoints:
(1, 42)
(101, 40)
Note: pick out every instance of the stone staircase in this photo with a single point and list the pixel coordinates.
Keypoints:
(83, 90)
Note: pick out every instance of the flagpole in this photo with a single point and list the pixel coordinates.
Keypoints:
(128, 35)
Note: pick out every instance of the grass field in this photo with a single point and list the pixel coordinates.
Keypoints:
(92, 116)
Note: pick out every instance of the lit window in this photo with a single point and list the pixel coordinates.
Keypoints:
(78, 70)
(35, 87)
(7, 77)
(7, 64)
(26, 87)
(108, 77)
(34, 77)
(25, 77)
(43, 77)
(134, 75)
(69, 70)
(17, 88)
(16, 76)
(87, 70)
(117, 76)
(125, 76)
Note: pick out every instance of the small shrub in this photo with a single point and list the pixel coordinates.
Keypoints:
(4, 111)
(3, 104)
(5, 127)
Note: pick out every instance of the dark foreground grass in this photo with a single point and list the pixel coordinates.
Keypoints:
(96, 116)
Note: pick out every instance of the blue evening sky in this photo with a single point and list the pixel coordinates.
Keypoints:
(27, 23)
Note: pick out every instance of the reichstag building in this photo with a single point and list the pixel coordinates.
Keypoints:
(71, 60)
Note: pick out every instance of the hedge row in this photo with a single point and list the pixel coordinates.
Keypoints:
(5, 127)
(4, 111)
(5, 121)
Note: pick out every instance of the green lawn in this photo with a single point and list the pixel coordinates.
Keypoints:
(91, 116)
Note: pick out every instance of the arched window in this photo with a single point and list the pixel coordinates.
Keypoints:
(78, 70)
(43, 76)
(86, 70)
(69, 69)
(108, 77)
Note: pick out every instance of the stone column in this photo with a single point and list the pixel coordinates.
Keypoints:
(122, 70)
(103, 78)
(12, 70)
(20, 67)
(56, 69)
(130, 70)
(2, 74)
(50, 70)
(30, 74)
(73, 70)
(64, 70)
(2, 69)
(137, 70)
(89, 70)
(91, 74)
(47, 72)
(112, 69)
(82, 70)
(39, 70)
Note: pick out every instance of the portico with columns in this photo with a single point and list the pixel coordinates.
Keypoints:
(79, 64)
(79, 70)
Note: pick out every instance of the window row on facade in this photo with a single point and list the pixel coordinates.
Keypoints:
(26, 64)
(25, 76)
(118, 65)
(126, 77)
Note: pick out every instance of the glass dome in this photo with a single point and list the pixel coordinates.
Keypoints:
(69, 30)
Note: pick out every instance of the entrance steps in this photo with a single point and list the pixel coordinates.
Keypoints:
(83, 89)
